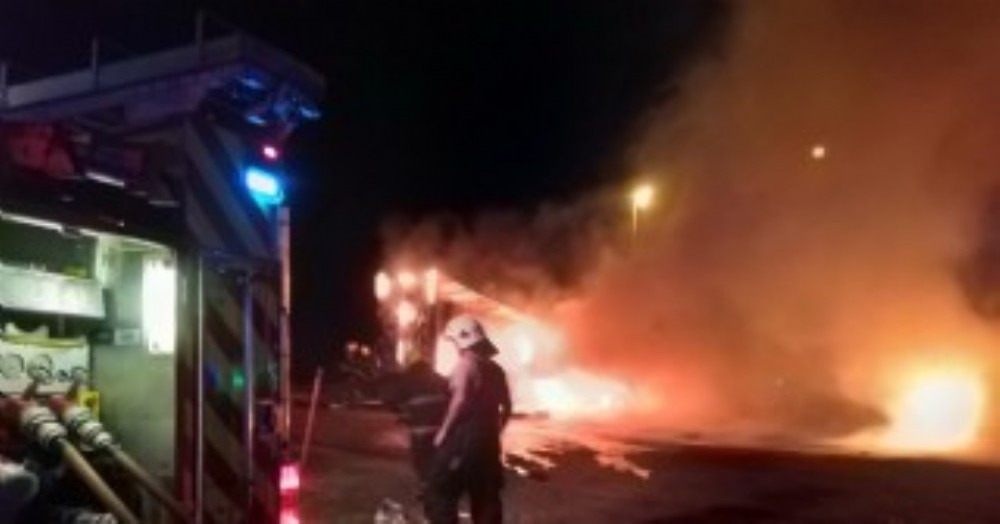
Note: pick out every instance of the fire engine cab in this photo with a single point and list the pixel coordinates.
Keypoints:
(144, 282)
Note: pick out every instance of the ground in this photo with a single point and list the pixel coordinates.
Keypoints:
(358, 458)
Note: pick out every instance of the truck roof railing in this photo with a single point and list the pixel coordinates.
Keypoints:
(206, 61)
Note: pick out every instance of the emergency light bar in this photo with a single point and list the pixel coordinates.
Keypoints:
(264, 186)
(270, 152)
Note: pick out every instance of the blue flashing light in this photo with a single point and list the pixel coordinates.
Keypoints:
(264, 186)
(309, 112)
(256, 119)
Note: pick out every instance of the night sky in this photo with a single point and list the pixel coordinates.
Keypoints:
(431, 107)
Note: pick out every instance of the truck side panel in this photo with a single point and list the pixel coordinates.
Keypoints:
(226, 221)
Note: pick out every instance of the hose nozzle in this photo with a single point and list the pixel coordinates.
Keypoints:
(81, 423)
(39, 424)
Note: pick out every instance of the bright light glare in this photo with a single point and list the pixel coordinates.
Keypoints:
(533, 355)
(431, 286)
(383, 286)
(264, 186)
(406, 313)
(159, 298)
(818, 152)
(445, 356)
(104, 179)
(575, 394)
(289, 516)
(34, 222)
(290, 479)
(642, 196)
(555, 396)
(938, 410)
(270, 152)
(406, 280)
(403, 346)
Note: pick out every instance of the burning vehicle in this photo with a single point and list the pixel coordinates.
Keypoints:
(783, 396)
(543, 378)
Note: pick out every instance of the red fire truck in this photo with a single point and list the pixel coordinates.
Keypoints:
(144, 263)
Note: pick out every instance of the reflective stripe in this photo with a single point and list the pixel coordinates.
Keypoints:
(221, 216)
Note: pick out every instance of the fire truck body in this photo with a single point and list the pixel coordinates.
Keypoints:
(144, 250)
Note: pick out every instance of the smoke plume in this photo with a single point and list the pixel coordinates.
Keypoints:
(831, 168)
(825, 222)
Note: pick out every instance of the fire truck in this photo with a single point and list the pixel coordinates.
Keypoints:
(144, 273)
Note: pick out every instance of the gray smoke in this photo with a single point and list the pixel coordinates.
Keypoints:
(790, 289)
(523, 259)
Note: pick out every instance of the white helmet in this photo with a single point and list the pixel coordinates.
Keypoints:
(464, 331)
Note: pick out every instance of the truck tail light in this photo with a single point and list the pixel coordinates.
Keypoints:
(288, 485)
(289, 516)
(290, 479)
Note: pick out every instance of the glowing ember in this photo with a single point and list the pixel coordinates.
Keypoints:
(818, 152)
(574, 394)
(534, 446)
(431, 286)
(406, 313)
(407, 280)
(542, 381)
(543, 377)
(555, 396)
(937, 411)
(383, 286)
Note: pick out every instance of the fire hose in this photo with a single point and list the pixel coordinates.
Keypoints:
(87, 430)
(39, 424)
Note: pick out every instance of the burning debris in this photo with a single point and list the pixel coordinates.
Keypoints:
(937, 409)
(544, 381)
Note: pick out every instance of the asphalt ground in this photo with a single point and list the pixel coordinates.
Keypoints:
(358, 458)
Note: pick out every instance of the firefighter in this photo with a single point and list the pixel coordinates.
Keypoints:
(467, 460)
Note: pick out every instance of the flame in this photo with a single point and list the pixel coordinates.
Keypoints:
(406, 313)
(383, 286)
(937, 410)
(407, 280)
(431, 286)
(542, 379)
(575, 394)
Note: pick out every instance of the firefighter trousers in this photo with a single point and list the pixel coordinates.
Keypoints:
(469, 471)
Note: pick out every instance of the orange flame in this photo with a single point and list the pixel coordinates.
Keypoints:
(431, 286)
(541, 378)
(383, 286)
(406, 313)
(937, 410)
(407, 280)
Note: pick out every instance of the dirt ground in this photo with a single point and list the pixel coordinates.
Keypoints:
(358, 458)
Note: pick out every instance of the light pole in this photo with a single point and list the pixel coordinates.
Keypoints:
(641, 199)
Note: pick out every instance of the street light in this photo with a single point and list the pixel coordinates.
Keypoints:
(642, 199)
(818, 152)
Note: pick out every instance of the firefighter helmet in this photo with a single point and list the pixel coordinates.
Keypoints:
(464, 331)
